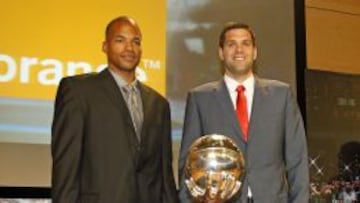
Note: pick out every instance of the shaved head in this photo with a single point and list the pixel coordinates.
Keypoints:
(122, 20)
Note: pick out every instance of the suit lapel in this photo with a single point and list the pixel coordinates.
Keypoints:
(147, 100)
(110, 88)
(224, 100)
(260, 92)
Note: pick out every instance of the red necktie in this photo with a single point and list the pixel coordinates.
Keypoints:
(241, 111)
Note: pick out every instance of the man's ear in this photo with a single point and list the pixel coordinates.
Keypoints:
(255, 54)
(104, 47)
(221, 54)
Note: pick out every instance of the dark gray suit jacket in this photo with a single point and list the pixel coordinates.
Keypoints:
(96, 155)
(276, 153)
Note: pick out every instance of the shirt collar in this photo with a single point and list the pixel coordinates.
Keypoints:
(120, 81)
(232, 84)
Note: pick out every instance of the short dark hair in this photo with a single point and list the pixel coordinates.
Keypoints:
(126, 19)
(235, 25)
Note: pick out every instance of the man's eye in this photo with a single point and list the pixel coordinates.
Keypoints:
(247, 43)
(137, 42)
(230, 44)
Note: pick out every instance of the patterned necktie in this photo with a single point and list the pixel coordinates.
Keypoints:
(133, 101)
(241, 111)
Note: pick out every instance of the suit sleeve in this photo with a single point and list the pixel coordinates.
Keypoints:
(66, 144)
(296, 153)
(169, 187)
(191, 131)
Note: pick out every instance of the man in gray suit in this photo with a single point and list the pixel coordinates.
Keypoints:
(260, 115)
(111, 139)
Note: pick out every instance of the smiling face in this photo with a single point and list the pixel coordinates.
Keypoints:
(238, 53)
(123, 46)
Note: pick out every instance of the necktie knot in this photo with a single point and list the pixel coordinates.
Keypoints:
(240, 89)
(129, 88)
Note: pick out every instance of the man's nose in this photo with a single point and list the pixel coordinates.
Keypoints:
(239, 48)
(129, 46)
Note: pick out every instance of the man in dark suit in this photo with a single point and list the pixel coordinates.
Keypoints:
(111, 134)
(260, 115)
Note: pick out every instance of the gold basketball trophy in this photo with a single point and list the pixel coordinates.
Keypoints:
(214, 169)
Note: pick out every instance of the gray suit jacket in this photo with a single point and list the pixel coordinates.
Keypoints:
(96, 155)
(276, 158)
